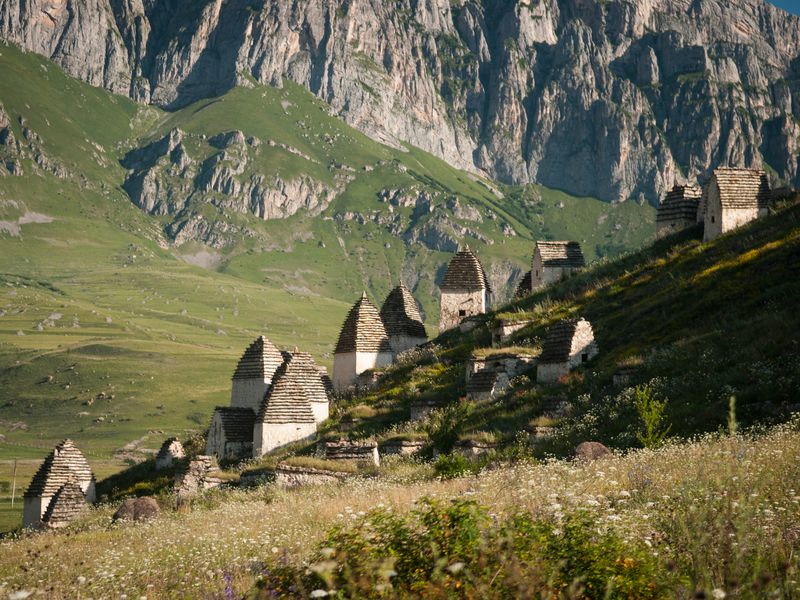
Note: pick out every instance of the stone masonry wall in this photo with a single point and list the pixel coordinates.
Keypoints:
(457, 306)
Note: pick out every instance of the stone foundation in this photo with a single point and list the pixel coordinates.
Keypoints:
(511, 364)
(473, 448)
(366, 453)
(421, 409)
(196, 478)
(401, 447)
(505, 329)
(289, 476)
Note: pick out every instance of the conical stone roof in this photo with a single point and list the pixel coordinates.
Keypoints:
(65, 462)
(561, 254)
(742, 188)
(287, 400)
(309, 375)
(400, 314)
(465, 274)
(363, 330)
(259, 361)
(68, 504)
(482, 382)
(681, 202)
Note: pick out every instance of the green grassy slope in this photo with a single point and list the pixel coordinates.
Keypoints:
(108, 336)
(700, 323)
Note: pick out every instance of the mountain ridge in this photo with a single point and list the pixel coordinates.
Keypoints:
(626, 97)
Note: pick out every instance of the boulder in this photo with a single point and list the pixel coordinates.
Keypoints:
(137, 509)
(588, 451)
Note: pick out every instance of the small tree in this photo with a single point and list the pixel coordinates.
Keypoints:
(444, 425)
(651, 414)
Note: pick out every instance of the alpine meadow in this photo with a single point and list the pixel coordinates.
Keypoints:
(413, 299)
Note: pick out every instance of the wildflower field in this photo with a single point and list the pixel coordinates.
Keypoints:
(716, 515)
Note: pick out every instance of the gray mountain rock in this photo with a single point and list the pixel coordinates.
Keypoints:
(164, 179)
(615, 99)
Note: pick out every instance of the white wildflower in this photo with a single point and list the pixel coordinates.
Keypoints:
(718, 594)
(456, 568)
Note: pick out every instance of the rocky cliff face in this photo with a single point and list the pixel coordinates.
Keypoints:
(614, 99)
(179, 173)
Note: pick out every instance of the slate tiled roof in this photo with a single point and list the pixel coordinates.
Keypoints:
(561, 254)
(327, 382)
(742, 188)
(363, 330)
(465, 274)
(400, 314)
(308, 374)
(65, 462)
(286, 400)
(481, 382)
(68, 504)
(524, 286)
(681, 202)
(237, 423)
(259, 361)
(558, 342)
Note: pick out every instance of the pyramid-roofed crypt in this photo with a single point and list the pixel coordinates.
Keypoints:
(64, 463)
(561, 254)
(465, 273)
(287, 400)
(67, 504)
(681, 202)
(742, 188)
(259, 361)
(363, 330)
(400, 314)
(557, 346)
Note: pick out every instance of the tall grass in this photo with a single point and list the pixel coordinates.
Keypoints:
(716, 513)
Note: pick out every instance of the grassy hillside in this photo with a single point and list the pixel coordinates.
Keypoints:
(109, 332)
(698, 323)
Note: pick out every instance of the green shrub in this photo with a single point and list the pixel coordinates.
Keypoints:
(444, 426)
(651, 412)
(458, 549)
(450, 466)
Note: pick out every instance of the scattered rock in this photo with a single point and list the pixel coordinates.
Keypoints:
(137, 510)
(589, 451)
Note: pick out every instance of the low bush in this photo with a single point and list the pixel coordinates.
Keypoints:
(459, 549)
(450, 466)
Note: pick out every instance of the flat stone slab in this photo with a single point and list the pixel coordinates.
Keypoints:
(289, 476)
